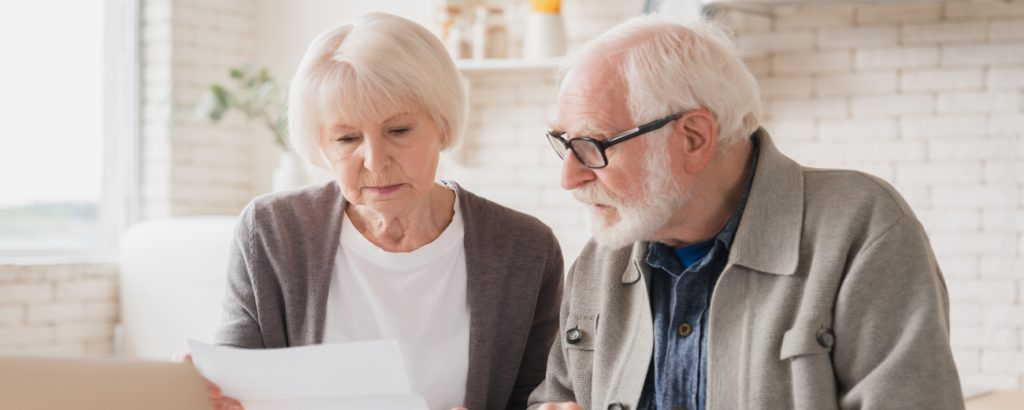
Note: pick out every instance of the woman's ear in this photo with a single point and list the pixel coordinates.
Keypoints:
(697, 132)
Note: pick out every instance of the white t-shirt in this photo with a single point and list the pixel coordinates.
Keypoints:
(418, 298)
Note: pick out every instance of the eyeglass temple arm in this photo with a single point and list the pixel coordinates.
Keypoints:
(659, 123)
(638, 131)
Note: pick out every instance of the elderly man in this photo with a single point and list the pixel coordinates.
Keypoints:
(722, 274)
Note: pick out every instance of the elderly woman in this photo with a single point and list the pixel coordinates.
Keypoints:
(469, 288)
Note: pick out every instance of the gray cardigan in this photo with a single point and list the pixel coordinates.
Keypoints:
(280, 267)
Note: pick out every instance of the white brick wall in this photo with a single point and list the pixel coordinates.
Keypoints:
(943, 79)
(1007, 30)
(809, 107)
(857, 84)
(934, 93)
(58, 309)
(892, 105)
(896, 57)
(983, 55)
(858, 37)
(789, 86)
(189, 166)
(931, 127)
(773, 42)
(790, 17)
(899, 12)
(1006, 77)
(960, 32)
(812, 62)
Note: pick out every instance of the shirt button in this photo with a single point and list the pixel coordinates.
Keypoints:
(616, 406)
(685, 329)
(573, 336)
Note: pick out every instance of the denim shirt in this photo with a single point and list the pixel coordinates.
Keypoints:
(680, 291)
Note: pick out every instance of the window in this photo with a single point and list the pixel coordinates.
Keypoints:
(67, 97)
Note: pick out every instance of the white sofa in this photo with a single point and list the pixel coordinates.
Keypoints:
(172, 283)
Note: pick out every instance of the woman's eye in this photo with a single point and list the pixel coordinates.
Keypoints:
(399, 130)
(346, 139)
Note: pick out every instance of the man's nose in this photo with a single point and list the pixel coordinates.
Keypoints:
(574, 173)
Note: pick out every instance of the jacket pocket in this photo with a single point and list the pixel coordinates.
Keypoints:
(805, 352)
(808, 338)
(579, 341)
(580, 332)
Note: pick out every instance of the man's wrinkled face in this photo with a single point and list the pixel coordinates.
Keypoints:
(616, 222)
(634, 196)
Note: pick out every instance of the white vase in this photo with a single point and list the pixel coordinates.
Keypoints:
(290, 173)
(545, 36)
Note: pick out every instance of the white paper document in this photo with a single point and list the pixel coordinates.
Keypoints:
(359, 375)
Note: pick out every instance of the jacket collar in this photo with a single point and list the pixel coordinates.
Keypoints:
(768, 237)
(638, 264)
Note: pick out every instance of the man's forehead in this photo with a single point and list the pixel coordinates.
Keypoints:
(591, 104)
(592, 73)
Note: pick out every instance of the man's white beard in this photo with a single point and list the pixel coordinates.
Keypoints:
(642, 220)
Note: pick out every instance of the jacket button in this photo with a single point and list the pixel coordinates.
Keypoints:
(825, 338)
(616, 406)
(573, 336)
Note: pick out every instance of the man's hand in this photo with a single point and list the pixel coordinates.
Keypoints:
(217, 400)
(560, 406)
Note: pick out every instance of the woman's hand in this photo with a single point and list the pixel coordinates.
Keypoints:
(217, 399)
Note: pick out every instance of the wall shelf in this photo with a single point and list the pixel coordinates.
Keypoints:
(765, 7)
(470, 66)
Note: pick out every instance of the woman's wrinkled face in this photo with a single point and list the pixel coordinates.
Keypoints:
(387, 164)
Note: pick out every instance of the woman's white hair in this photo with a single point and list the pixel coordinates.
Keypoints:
(672, 65)
(376, 65)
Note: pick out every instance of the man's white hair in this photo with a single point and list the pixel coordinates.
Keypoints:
(670, 65)
(376, 65)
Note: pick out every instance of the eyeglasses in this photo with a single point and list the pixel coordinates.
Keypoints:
(590, 152)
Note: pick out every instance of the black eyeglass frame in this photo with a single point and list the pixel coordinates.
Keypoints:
(603, 145)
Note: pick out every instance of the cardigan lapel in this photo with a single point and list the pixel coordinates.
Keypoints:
(483, 299)
(321, 265)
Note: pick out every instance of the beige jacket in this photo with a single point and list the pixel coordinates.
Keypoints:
(831, 298)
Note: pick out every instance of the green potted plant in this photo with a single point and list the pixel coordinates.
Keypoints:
(256, 95)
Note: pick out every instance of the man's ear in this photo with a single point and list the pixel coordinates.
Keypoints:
(698, 132)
